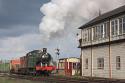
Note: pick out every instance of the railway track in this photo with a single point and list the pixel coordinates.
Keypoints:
(57, 79)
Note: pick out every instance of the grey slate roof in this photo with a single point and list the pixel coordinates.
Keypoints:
(105, 16)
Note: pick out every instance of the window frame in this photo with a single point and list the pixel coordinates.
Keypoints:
(114, 27)
(118, 62)
(100, 63)
(74, 65)
(86, 63)
(120, 24)
(123, 25)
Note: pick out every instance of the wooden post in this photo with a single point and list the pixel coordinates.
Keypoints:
(91, 54)
(81, 71)
(110, 70)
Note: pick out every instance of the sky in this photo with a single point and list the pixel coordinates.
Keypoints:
(27, 25)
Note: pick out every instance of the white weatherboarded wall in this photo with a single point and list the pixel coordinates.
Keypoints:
(86, 53)
(118, 50)
(101, 52)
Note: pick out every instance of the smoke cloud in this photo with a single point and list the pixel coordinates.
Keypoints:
(62, 16)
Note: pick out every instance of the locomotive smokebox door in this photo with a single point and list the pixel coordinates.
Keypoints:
(44, 50)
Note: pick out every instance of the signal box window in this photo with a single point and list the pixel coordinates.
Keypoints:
(100, 63)
(86, 65)
(118, 63)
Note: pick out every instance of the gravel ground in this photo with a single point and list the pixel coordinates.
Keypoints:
(13, 80)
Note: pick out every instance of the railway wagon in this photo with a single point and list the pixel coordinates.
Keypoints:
(14, 65)
(23, 65)
(23, 62)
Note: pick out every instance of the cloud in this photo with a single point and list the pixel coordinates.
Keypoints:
(19, 46)
(1, 9)
(60, 15)
(18, 17)
(19, 25)
(20, 12)
(63, 17)
(15, 47)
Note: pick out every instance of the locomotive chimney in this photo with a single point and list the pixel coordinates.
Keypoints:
(44, 50)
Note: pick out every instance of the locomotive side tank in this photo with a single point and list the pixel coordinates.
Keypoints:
(28, 62)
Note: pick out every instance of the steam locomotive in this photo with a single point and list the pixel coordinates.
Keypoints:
(45, 64)
(37, 62)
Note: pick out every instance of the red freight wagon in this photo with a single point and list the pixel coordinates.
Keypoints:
(23, 62)
(14, 65)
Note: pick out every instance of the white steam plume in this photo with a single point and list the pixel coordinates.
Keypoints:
(60, 16)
